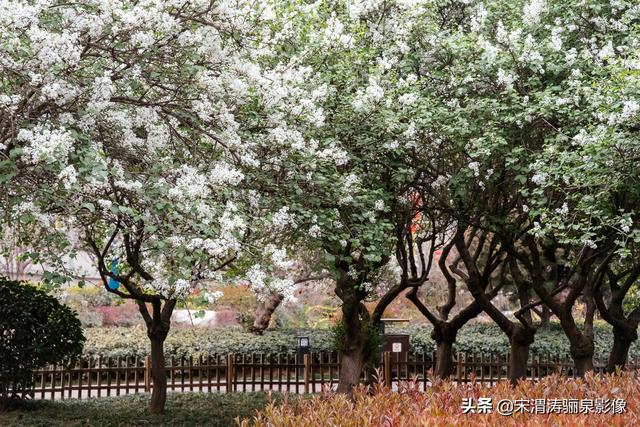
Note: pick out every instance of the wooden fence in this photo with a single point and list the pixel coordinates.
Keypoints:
(312, 373)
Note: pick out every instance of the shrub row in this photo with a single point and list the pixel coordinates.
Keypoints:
(443, 404)
(474, 338)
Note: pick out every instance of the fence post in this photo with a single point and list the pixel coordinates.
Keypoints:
(386, 364)
(147, 373)
(307, 371)
(459, 367)
(229, 372)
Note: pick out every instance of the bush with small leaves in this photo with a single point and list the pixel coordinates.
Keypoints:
(35, 330)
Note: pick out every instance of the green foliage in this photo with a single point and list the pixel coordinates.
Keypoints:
(372, 346)
(132, 341)
(473, 338)
(488, 338)
(35, 330)
(183, 409)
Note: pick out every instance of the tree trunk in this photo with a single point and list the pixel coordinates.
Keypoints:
(444, 335)
(444, 359)
(159, 376)
(583, 365)
(622, 340)
(545, 318)
(264, 311)
(355, 318)
(351, 365)
(619, 354)
(521, 339)
(158, 325)
(582, 350)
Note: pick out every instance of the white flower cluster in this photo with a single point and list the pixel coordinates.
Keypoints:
(339, 156)
(68, 176)
(283, 218)
(213, 297)
(262, 285)
(505, 79)
(533, 10)
(279, 257)
(365, 99)
(177, 290)
(46, 144)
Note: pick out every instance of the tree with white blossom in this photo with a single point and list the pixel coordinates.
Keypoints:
(334, 164)
(595, 176)
(509, 90)
(123, 123)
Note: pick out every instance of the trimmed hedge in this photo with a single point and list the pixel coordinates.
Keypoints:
(35, 330)
(473, 338)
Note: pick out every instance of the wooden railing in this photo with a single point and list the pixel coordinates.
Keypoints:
(312, 373)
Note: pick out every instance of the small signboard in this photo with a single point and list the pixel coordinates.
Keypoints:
(396, 343)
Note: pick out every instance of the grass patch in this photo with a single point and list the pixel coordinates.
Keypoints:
(183, 409)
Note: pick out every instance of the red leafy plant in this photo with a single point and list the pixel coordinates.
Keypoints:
(441, 404)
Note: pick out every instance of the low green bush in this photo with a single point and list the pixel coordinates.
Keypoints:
(473, 338)
(35, 330)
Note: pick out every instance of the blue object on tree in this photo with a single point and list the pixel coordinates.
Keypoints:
(113, 283)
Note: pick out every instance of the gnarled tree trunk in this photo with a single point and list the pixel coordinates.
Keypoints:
(264, 312)
(619, 354)
(444, 359)
(581, 349)
(351, 366)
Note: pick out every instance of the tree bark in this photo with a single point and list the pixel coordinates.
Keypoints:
(545, 317)
(158, 374)
(353, 347)
(264, 311)
(581, 349)
(444, 336)
(583, 365)
(521, 339)
(354, 317)
(619, 354)
(444, 359)
(158, 325)
(623, 337)
(351, 365)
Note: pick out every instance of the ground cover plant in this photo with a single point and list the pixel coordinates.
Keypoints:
(183, 409)
(442, 405)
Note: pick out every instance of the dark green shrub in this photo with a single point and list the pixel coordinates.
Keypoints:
(35, 330)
